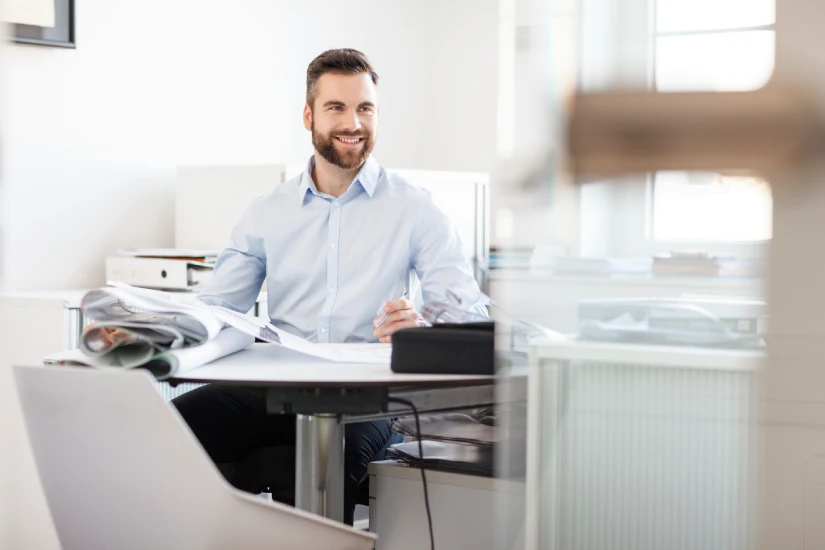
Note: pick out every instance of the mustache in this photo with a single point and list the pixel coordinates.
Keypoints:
(349, 134)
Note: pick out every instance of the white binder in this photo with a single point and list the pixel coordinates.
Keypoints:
(158, 273)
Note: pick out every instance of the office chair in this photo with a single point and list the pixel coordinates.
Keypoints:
(120, 469)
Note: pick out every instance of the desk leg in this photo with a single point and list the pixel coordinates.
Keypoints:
(319, 465)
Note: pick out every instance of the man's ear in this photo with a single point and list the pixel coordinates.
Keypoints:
(307, 117)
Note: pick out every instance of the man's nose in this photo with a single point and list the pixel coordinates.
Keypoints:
(353, 122)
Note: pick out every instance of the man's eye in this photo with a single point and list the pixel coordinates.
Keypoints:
(336, 108)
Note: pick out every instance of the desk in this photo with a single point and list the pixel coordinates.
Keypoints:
(324, 396)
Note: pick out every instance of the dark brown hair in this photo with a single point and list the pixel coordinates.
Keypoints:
(341, 61)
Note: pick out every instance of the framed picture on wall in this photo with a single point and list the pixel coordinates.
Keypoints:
(60, 35)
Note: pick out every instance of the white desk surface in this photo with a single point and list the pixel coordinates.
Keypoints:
(267, 364)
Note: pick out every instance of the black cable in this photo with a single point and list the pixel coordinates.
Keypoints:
(420, 464)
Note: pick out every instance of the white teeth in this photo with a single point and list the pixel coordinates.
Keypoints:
(349, 140)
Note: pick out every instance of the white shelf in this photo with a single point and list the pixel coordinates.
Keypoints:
(522, 275)
(659, 356)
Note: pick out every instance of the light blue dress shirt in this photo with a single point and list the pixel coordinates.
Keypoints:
(331, 263)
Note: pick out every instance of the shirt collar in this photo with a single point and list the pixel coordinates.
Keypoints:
(307, 185)
(367, 176)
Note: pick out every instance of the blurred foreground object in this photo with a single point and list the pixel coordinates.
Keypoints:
(619, 133)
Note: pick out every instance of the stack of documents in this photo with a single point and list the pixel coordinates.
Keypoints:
(606, 267)
(510, 257)
(446, 456)
(464, 443)
(451, 442)
(702, 264)
(455, 427)
(170, 334)
(687, 321)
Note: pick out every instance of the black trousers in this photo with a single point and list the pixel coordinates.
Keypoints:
(232, 423)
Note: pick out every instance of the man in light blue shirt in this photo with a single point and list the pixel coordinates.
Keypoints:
(330, 262)
(336, 247)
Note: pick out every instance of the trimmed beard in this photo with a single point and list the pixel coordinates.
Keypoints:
(325, 145)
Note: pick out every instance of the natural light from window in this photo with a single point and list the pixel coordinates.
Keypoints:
(700, 206)
(712, 45)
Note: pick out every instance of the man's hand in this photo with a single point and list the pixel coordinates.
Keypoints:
(400, 314)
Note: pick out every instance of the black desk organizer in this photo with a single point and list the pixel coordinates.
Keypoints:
(466, 348)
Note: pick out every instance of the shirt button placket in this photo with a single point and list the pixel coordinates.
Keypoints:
(334, 232)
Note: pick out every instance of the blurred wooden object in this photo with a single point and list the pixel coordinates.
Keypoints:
(618, 133)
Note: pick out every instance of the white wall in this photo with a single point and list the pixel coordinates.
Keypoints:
(92, 137)
(437, 64)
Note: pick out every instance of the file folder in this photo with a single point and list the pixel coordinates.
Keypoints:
(158, 273)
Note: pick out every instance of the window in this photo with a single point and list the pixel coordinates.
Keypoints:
(712, 45)
(739, 207)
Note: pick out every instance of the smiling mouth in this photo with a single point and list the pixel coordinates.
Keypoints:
(349, 140)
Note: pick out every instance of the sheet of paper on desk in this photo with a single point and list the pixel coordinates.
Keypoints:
(362, 353)
(343, 353)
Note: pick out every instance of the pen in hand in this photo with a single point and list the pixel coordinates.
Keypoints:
(383, 317)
